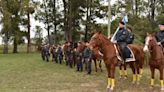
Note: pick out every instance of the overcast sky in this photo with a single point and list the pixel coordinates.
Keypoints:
(34, 23)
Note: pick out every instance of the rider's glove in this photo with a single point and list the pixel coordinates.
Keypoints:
(159, 43)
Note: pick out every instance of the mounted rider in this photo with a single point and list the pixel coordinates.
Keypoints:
(160, 35)
(121, 39)
(130, 37)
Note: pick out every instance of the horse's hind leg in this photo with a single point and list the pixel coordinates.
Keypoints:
(152, 76)
(121, 71)
(134, 72)
(95, 64)
(161, 78)
(100, 66)
(125, 71)
(138, 73)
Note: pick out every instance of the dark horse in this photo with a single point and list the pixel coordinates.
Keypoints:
(111, 60)
(157, 58)
(96, 55)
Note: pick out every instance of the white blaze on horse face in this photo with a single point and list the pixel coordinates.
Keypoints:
(146, 44)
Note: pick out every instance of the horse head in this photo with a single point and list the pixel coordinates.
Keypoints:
(150, 41)
(80, 47)
(95, 40)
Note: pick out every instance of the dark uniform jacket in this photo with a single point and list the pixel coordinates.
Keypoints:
(60, 52)
(122, 35)
(160, 37)
(130, 38)
(87, 53)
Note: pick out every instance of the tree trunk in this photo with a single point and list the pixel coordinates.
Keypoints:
(87, 19)
(55, 31)
(136, 7)
(65, 20)
(70, 28)
(28, 35)
(48, 31)
(152, 9)
(5, 49)
(15, 45)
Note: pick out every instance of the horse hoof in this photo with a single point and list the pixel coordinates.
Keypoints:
(162, 88)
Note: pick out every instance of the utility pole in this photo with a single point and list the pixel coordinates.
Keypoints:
(109, 18)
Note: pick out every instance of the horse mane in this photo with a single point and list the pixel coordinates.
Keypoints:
(105, 38)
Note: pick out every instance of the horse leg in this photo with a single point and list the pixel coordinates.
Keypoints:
(100, 65)
(152, 76)
(125, 71)
(161, 78)
(134, 73)
(121, 71)
(95, 64)
(112, 73)
(109, 77)
(138, 72)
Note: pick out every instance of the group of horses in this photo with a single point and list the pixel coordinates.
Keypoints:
(104, 50)
(107, 48)
(79, 48)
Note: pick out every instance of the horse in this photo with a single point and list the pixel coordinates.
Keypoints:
(110, 58)
(96, 56)
(156, 60)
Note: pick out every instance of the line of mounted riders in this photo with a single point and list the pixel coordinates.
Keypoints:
(101, 47)
(76, 55)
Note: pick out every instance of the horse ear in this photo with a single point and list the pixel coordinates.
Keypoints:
(99, 32)
(92, 33)
(147, 33)
(153, 34)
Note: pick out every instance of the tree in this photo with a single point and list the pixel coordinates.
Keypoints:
(38, 36)
(6, 19)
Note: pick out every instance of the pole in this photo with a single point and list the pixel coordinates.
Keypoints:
(109, 18)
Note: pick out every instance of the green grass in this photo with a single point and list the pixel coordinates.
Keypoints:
(28, 73)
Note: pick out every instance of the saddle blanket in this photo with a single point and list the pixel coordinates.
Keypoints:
(132, 57)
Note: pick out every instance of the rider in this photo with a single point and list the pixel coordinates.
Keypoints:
(121, 37)
(87, 55)
(130, 37)
(160, 35)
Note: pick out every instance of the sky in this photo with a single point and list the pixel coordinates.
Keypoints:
(34, 23)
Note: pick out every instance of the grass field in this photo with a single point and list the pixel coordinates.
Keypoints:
(28, 73)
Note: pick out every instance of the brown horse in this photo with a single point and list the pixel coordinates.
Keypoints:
(111, 60)
(96, 55)
(157, 58)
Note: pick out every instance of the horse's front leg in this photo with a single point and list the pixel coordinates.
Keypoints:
(112, 73)
(161, 78)
(152, 69)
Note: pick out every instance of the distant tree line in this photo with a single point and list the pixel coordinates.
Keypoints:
(73, 20)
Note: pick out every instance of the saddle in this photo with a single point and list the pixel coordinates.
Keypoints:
(119, 54)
